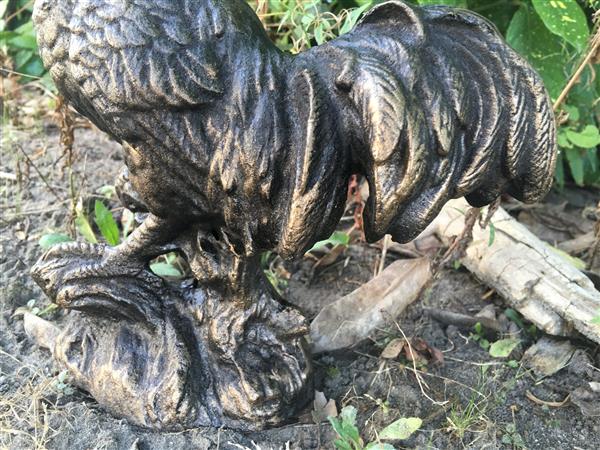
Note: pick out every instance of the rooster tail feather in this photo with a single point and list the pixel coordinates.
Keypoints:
(448, 109)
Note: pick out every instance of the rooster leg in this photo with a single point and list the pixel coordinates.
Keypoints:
(154, 237)
(85, 276)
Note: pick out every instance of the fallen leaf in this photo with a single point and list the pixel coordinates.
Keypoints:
(352, 318)
(429, 352)
(323, 408)
(503, 347)
(393, 349)
(437, 357)
(547, 356)
(412, 354)
(401, 428)
(43, 332)
(588, 401)
(331, 256)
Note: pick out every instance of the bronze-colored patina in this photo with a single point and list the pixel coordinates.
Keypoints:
(234, 147)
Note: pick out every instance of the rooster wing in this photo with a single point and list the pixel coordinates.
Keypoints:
(445, 109)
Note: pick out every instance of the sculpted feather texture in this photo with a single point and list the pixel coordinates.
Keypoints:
(232, 148)
(428, 104)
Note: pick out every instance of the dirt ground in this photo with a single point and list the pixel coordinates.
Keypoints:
(470, 401)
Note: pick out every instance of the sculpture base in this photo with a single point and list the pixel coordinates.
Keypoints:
(171, 357)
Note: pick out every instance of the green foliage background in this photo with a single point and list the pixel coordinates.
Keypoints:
(554, 35)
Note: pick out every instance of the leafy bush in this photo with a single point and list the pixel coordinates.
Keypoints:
(17, 38)
(554, 35)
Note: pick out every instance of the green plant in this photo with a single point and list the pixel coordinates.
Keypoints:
(502, 348)
(17, 38)
(268, 261)
(479, 336)
(31, 308)
(337, 238)
(515, 317)
(169, 265)
(61, 383)
(106, 223)
(52, 239)
(349, 435)
(462, 419)
(512, 437)
(297, 25)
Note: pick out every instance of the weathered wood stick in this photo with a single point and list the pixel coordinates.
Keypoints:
(533, 279)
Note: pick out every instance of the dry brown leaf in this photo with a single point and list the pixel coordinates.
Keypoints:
(323, 408)
(331, 256)
(393, 349)
(352, 318)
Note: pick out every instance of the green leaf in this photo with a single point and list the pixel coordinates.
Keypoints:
(108, 191)
(515, 317)
(594, 161)
(528, 35)
(33, 67)
(346, 429)
(341, 444)
(587, 138)
(573, 113)
(503, 347)
(353, 17)
(492, 234)
(25, 37)
(499, 12)
(106, 223)
(337, 238)
(84, 228)
(401, 429)
(562, 139)
(566, 19)
(50, 240)
(165, 270)
(575, 160)
(350, 431)
(336, 424)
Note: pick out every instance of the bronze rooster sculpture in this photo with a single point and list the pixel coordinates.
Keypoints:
(234, 147)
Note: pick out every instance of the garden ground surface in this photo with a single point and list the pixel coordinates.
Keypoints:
(470, 401)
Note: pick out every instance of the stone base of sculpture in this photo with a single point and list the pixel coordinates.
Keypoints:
(169, 356)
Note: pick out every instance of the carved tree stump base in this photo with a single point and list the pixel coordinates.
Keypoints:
(170, 357)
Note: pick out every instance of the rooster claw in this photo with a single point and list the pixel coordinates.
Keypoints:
(100, 280)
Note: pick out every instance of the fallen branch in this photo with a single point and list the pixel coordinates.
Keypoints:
(536, 281)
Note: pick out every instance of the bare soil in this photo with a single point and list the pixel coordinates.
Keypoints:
(471, 401)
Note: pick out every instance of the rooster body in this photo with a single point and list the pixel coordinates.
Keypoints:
(233, 148)
(216, 122)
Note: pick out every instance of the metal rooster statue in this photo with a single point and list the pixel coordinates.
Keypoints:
(232, 148)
